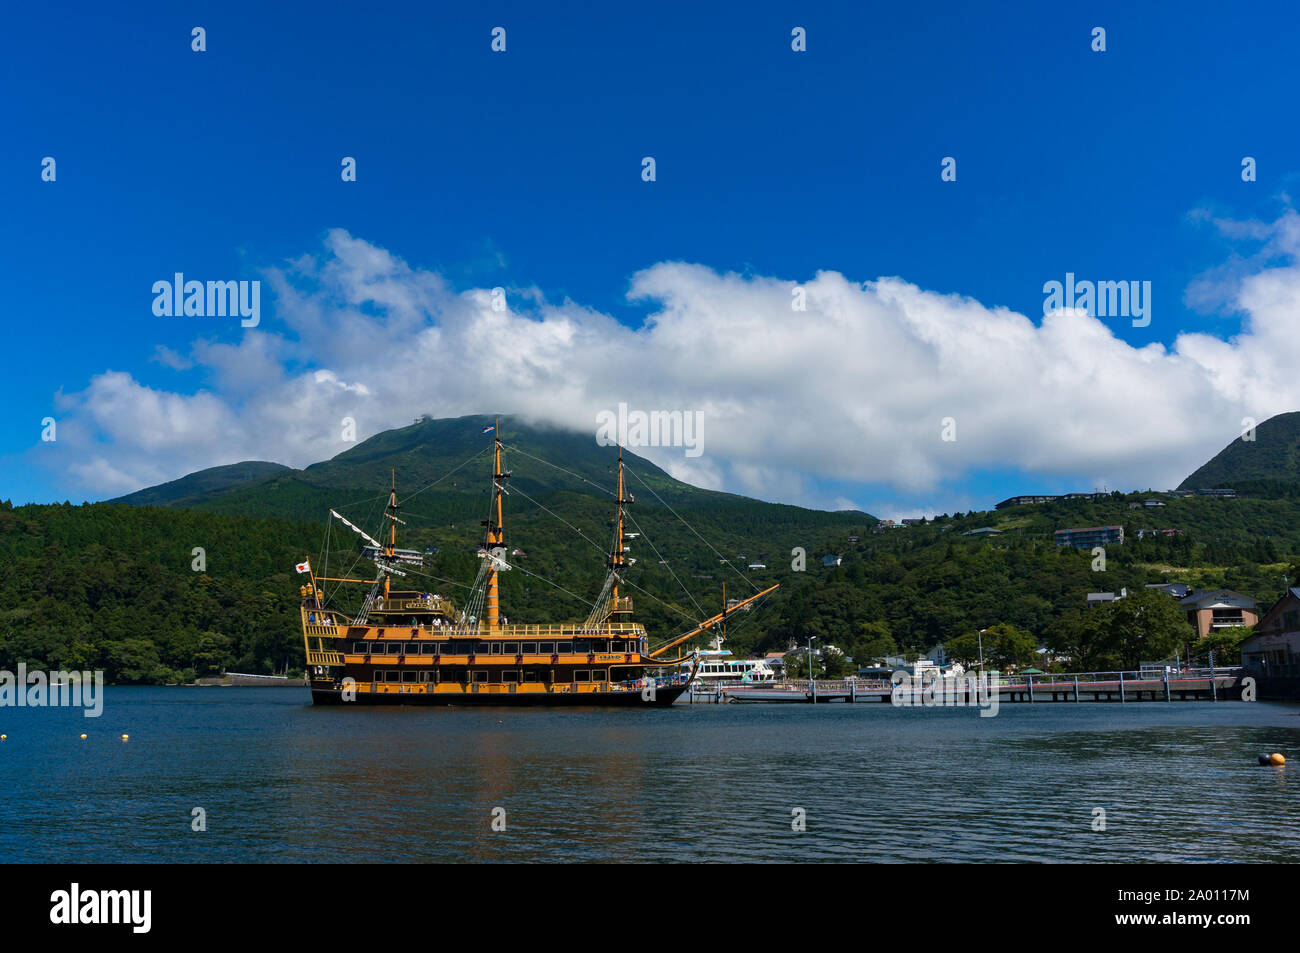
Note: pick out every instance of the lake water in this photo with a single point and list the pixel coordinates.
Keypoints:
(281, 780)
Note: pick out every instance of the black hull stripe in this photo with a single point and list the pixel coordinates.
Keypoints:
(663, 698)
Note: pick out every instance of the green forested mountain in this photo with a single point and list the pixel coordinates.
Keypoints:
(1272, 457)
(197, 487)
(115, 586)
(425, 452)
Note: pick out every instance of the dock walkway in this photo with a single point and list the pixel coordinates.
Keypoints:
(1217, 684)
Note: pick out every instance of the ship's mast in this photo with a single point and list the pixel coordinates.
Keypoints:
(722, 636)
(494, 541)
(616, 558)
(390, 549)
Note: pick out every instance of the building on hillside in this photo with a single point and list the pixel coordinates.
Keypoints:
(776, 662)
(1180, 494)
(1176, 589)
(1090, 536)
(1025, 501)
(1227, 494)
(1045, 498)
(829, 561)
(920, 521)
(982, 532)
(1276, 639)
(875, 672)
(853, 539)
(1101, 598)
(1151, 504)
(1213, 609)
(885, 524)
(920, 668)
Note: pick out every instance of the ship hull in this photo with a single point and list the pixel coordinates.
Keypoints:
(663, 698)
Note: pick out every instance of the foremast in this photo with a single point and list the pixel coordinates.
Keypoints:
(390, 547)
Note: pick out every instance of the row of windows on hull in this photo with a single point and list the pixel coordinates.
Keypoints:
(575, 647)
(466, 676)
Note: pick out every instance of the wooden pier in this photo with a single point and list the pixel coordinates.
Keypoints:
(1220, 684)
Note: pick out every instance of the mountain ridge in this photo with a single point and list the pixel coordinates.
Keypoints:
(1272, 456)
(427, 452)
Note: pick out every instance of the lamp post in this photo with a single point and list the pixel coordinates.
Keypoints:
(980, 638)
(812, 684)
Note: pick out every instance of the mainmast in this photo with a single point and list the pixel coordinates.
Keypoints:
(617, 558)
(494, 538)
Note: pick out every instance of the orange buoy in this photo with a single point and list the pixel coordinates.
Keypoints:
(124, 737)
(1276, 758)
(83, 737)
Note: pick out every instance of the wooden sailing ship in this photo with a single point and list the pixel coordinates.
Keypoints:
(413, 647)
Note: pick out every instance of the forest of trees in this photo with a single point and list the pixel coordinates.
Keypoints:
(115, 587)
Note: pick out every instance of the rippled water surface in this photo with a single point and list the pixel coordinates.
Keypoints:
(283, 781)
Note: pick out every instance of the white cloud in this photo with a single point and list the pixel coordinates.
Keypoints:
(851, 391)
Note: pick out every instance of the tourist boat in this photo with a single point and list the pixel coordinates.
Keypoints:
(716, 666)
(414, 647)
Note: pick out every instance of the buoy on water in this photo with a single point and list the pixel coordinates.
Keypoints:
(1274, 758)
(124, 737)
(83, 737)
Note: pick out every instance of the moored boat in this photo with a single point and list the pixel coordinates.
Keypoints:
(414, 647)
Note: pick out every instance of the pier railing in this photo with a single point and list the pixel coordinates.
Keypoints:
(1045, 680)
(1103, 678)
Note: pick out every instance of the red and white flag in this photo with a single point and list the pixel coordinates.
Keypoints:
(303, 567)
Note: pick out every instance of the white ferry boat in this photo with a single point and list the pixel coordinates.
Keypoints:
(717, 665)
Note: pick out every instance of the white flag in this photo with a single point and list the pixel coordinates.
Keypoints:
(303, 567)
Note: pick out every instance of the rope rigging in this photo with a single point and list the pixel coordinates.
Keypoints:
(692, 529)
(473, 611)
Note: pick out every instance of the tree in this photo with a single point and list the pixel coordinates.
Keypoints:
(1225, 644)
(1147, 625)
(835, 664)
(964, 649)
(1006, 646)
(1080, 636)
(874, 641)
(796, 665)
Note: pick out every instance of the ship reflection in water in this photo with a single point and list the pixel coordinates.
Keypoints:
(282, 780)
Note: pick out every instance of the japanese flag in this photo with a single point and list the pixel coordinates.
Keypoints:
(303, 567)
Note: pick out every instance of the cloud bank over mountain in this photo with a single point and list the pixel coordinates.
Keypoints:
(796, 405)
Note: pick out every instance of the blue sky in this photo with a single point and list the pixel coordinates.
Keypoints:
(522, 169)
